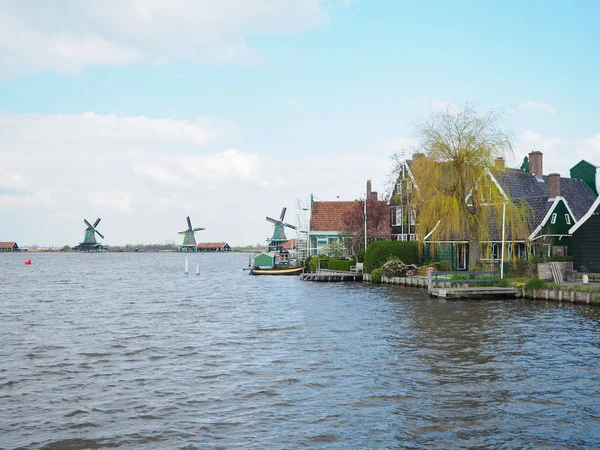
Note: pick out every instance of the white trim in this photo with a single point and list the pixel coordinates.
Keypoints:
(410, 174)
(489, 172)
(553, 218)
(431, 232)
(587, 215)
(326, 233)
(550, 235)
(555, 201)
(568, 207)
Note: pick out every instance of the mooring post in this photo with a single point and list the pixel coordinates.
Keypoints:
(429, 280)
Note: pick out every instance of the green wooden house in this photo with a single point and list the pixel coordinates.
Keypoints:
(585, 245)
(554, 204)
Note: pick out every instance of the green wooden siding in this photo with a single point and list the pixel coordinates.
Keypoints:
(263, 260)
(585, 246)
(586, 172)
(561, 226)
(440, 252)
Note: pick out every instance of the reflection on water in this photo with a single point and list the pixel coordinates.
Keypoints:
(107, 350)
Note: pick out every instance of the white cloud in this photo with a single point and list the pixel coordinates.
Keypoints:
(400, 145)
(143, 176)
(442, 105)
(551, 147)
(538, 142)
(589, 149)
(540, 106)
(69, 35)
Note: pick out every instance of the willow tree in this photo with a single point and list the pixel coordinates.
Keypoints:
(455, 199)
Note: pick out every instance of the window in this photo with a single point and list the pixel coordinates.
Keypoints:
(399, 189)
(568, 219)
(553, 220)
(396, 212)
(412, 218)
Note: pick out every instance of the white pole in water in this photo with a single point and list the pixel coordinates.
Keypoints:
(197, 269)
(186, 271)
(502, 252)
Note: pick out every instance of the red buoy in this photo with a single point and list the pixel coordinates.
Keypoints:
(27, 261)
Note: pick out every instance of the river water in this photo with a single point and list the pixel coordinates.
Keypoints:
(125, 350)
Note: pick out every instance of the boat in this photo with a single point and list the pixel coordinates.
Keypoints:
(277, 260)
(277, 271)
(275, 263)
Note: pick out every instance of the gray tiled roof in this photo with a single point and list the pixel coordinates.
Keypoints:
(521, 185)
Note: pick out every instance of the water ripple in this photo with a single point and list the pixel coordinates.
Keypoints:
(124, 350)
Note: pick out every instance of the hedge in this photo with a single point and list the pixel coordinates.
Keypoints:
(340, 264)
(330, 264)
(379, 252)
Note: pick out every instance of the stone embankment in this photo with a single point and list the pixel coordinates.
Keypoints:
(566, 296)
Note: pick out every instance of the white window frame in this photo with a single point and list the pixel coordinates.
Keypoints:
(553, 219)
(412, 218)
(568, 219)
(399, 189)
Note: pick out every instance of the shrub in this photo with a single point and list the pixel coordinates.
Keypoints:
(340, 264)
(360, 255)
(307, 263)
(314, 263)
(535, 283)
(376, 276)
(393, 268)
(504, 282)
(379, 252)
(334, 250)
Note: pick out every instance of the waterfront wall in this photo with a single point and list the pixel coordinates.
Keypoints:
(590, 298)
(545, 272)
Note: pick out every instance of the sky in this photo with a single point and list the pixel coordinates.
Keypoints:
(143, 112)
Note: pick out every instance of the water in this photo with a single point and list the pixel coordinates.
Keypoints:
(124, 350)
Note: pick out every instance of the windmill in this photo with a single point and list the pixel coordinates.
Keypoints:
(279, 237)
(189, 241)
(89, 238)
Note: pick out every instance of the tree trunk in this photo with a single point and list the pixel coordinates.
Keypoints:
(473, 251)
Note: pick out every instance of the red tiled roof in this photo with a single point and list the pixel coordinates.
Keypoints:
(289, 245)
(7, 244)
(329, 216)
(212, 244)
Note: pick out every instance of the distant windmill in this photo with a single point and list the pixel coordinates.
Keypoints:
(89, 239)
(189, 241)
(279, 237)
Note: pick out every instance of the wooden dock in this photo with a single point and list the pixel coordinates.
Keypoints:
(331, 276)
(475, 292)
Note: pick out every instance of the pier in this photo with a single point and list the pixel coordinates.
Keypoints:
(332, 276)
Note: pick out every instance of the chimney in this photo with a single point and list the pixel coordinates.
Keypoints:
(499, 163)
(536, 164)
(554, 185)
(370, 193)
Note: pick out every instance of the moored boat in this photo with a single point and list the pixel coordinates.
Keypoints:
(277, 271)
(275, 263)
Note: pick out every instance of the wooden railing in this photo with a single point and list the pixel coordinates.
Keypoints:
(453, 277)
